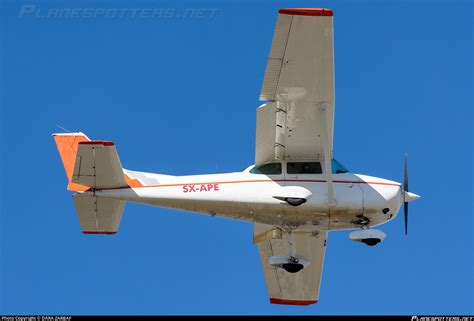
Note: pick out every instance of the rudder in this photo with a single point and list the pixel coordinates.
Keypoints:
(67, 144)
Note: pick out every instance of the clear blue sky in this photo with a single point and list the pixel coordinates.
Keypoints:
(178, 95)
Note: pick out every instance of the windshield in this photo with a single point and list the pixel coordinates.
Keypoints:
(267, 169)
(338, 168)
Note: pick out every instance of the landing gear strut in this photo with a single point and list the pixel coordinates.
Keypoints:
(291, 263)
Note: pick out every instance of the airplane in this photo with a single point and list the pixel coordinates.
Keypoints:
(294, 194)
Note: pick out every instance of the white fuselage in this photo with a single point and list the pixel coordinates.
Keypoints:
(250, 197)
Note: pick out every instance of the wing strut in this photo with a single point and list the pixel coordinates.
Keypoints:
(323, 107)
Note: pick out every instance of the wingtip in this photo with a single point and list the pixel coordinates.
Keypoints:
(97, 142)
(69, 134)
(100, 232)
(307, 11)
(292, 302)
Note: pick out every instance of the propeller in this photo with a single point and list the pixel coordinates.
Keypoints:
(405, 190)
(407, 196)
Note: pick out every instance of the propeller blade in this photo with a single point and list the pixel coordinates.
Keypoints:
(405, 207)
(405, 190)
(405, 176)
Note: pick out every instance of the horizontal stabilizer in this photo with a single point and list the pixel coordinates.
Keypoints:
(98, 215)
(98, 166)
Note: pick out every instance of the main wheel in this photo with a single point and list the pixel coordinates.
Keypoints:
(292, 267)
(295, 201)
(371, 241)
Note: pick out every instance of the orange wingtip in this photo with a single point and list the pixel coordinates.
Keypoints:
(97, 142)
(292, 302)
(307, 11)
(99, 232)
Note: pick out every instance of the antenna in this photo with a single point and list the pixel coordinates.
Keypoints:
(64, 129)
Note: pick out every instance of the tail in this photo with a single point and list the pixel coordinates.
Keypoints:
(67, 145)
(91, 165)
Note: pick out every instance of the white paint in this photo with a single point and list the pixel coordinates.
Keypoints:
(235, 195)
(295, 124)
(360, 235)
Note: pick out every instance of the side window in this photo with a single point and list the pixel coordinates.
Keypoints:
(304, 168)
(267, 169)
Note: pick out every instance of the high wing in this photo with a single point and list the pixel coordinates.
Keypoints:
(300, 288)
(298, 117)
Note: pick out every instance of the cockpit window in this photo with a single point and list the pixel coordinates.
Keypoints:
(267, 169)
(304, 168)
(338, 168)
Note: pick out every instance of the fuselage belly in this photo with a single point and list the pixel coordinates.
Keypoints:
(250, 197)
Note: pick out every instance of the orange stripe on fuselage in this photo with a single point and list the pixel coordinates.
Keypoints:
(256, 181)
(133, 182)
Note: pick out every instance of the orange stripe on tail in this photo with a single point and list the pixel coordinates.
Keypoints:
(133, 182)
(67, 148)
(67, 144)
